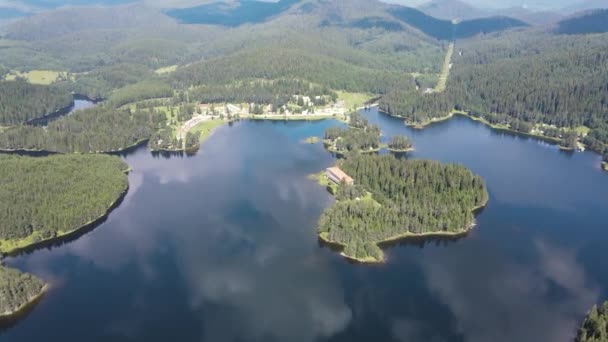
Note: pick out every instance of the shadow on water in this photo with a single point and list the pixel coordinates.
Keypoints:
(423, 241)
(411, 241)
(46, 119)
(173, 154)
(26, 153)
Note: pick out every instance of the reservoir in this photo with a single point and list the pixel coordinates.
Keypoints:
(221, 246)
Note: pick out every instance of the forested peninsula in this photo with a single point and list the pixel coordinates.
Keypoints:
(395, 198)
(17, 291)
(46, 198)
(595, 325)
(99, 129)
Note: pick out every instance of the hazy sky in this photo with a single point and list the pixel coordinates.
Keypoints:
(505, 3)
(537, 4)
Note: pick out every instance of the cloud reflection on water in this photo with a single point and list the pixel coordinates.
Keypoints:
(500, 300)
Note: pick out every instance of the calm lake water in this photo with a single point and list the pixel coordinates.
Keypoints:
(222, 247)
(80, 102)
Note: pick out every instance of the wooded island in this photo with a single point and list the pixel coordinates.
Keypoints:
(395, 198)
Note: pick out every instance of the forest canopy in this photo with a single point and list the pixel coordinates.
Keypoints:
(360, 136)
(21, 101)
(17, 289)
(393, 198)
(524, 81)
(42, 198)
(99, 129)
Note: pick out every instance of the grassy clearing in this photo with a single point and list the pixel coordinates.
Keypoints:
(582, 130)
(324, 182)
(353, 100)
(445, 72)
(166, 70)
(7, 246)
(172, 122)
(44, 77)
(205, 128)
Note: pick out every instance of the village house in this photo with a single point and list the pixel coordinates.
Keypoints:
(336, 175)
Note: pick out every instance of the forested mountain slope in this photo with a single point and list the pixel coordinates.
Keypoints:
(82, 38)
(451, 9)
(359, 32)
(273, 64)
(448, 30)
(595, 21)
(235, 14)
(460, 10)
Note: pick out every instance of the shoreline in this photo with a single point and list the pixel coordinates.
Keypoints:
(192, 149)
(430, 122)
(403, 236)
(547, 139)
(25, 307)
(36, 151)
(47, 118)
(53, 115)
(395, 150)
(279, 117)
(330, 147)
(76, 232)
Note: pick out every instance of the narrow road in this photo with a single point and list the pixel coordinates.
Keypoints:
(182, 132)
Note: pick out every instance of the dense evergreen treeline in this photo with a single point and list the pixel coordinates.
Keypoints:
(352, 139)
(595, 325)
(360, 136)
(400, 143)
(100, 82)
(140, 91)
(43, 197)
(99, 129)
(272, 64)
(276, 92)
(17, 289)
(520, 81)
(21, 101)
(408, 197)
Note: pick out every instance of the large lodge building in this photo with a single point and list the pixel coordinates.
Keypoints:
(336, 175)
